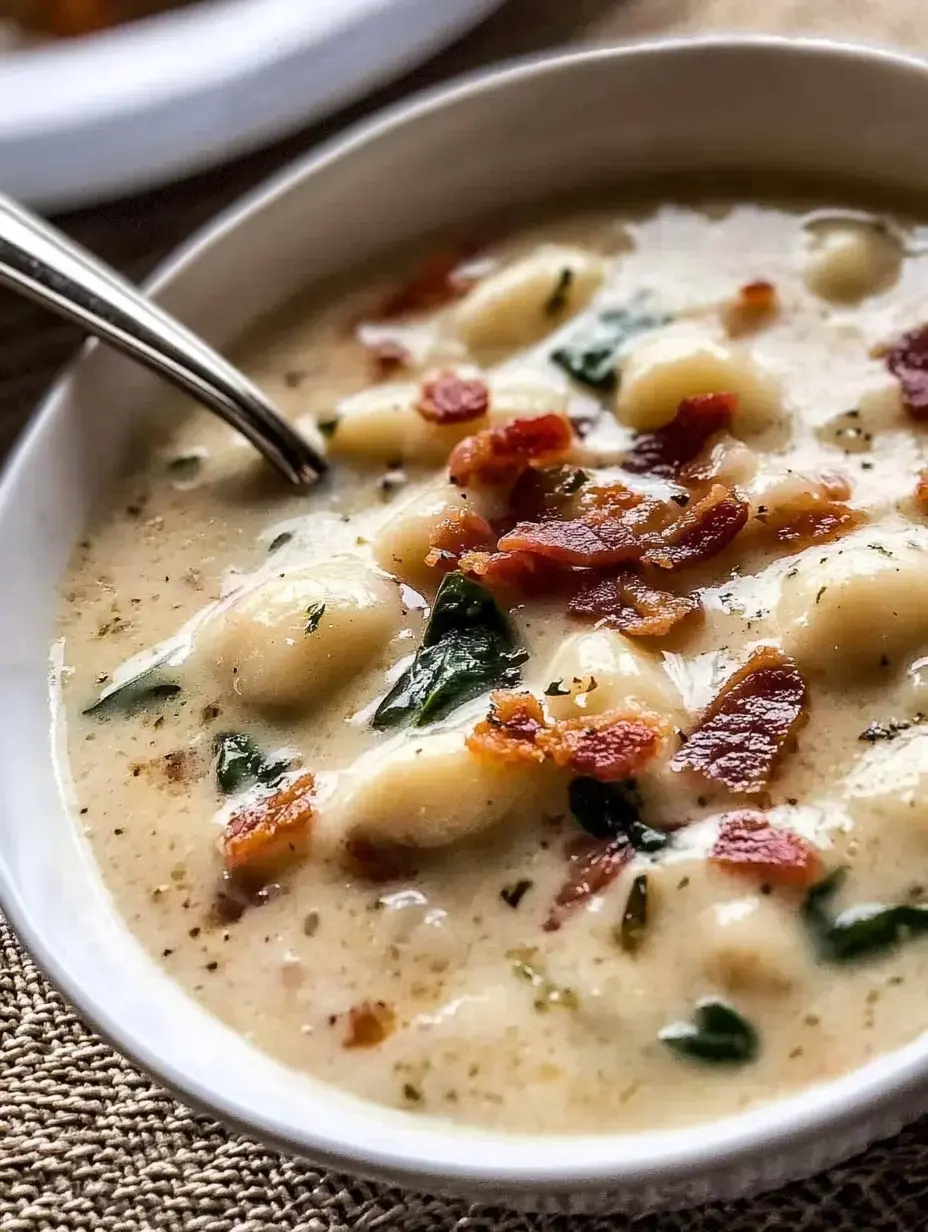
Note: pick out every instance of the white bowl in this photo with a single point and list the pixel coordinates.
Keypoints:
(523, 133)
(156, 99)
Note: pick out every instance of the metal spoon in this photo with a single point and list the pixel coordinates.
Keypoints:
(40, 262)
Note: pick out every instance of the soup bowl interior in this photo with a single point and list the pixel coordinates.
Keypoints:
(580, 123)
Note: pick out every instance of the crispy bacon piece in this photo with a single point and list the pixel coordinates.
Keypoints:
(748, 843)
(907, 360)
(450, 399)
(702, 531)
(812, 517)
(724, 459)
(389, 357)
(542, 492)
(436, 284)
(497, 455)
(369, 1024)
(753, 304)
(462, 531)
(628, 603)
(665, 451)
(580, 541)
(743, 733)
(509, 731)
(609, 747)
(518, 570)
(270, 830)
(921, 492)
(592, 866)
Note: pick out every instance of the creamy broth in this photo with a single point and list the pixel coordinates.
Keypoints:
(287, 619)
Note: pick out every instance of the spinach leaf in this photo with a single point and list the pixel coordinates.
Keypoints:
(466, 649)
(862, 931)
(635, 918)
(143, 690)
(718, 1035)
(240, 762)
(611, 811)
(591, 355)
(313, 615)
(462, 606)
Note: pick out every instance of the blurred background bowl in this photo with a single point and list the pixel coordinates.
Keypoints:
(156, 99)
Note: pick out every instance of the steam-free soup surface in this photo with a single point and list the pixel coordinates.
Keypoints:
(599, 900)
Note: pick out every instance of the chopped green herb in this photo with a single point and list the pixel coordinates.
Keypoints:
(611, 811)
(185, 466)
(858, 932)
(466, 649)
(327, 426)
(548, 993)
(240, 763)
(557, 301)
(591, 355)
(313, 615)
(718, 1035)
(279, 540)
(143, 690)
(556, 689)
(635, 917)
(513, 894)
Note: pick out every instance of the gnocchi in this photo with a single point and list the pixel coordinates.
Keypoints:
(669, 365)
(603, 670)
(848, 260)
(291, 639)
(858, 606)
(526, 300)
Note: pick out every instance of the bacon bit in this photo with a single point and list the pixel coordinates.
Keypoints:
(834, 486)
(449, 399)
(811, 517)
(744, 731)
(610, 747)
(581, 541)
(270, 829)
(724, 459)
(907, 360)
(921, 493)
(513, 569)
(542, 492)
(748, 843)
(626, 602)
(754, 302)
(436, 284)
(389, 357)
(701, 532)
(496, 455)
(509, 731)
(592, 866)
(665, 451)
(461, 531)
(369, 1024)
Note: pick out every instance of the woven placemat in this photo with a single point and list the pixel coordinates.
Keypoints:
(86, 1141)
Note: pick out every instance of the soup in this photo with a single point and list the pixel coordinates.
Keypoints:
(558, 764)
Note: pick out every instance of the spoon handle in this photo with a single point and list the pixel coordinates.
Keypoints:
(40, 262)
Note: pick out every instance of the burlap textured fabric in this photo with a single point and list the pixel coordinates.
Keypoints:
(86, 1142)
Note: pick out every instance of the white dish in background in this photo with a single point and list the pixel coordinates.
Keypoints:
(519, 135)
(163, 97)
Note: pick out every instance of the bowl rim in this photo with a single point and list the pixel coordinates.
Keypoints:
(611, 1160)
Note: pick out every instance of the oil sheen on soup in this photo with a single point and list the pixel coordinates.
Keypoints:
(558, 764)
